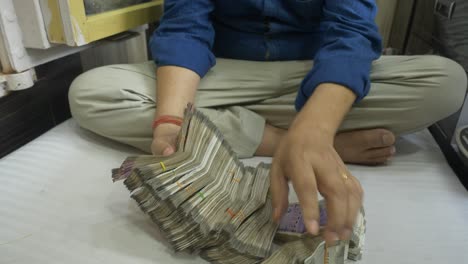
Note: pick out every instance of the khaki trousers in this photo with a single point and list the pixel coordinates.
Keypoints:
(408, 93)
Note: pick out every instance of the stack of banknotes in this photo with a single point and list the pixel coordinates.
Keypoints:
(205, 201)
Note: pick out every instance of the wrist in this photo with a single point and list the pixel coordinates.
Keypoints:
(325, 109)
(176, 110)
(166, 124)
(167, 119)
(312, 130)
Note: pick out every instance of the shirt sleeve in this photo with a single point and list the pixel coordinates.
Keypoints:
(185, 36)
(350, 41)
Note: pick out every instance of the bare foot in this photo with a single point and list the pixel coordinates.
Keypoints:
(365, 147)
(271, 138)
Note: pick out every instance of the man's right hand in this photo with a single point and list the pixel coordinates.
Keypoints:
(164, 139)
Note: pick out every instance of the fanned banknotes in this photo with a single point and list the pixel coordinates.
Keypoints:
(206, 201)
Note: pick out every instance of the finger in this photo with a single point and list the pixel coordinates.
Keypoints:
(354, 198)
(332, 187)
(355, 195)
(279, 191)
(303, 178)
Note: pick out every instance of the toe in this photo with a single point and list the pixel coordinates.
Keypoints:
(379, 161)
(388, 138)
(380, 153)
(378, 138)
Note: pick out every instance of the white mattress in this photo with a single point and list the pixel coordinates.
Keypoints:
(59, 205)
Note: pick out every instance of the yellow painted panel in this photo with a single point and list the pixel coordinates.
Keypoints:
(109, 23)
(78, 21)
(77, 29)
(55, 26)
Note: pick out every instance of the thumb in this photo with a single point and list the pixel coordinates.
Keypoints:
(160, 147)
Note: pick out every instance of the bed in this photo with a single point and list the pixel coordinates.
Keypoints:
(59, 205)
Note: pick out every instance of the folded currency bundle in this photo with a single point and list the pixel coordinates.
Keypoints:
(206, 201)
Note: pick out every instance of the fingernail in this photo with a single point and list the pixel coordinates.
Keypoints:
(331, 237)
(346, 234)
(387, 139)
(313, 227)
(168, 151)
(393, 150)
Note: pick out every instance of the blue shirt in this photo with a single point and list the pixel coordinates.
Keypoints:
(339, 35)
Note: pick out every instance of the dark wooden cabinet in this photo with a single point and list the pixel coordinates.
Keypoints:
(436, 27)
(26, 114)
(413, 27)
(431, 26)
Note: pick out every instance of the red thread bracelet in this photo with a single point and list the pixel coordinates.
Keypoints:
(167, 119)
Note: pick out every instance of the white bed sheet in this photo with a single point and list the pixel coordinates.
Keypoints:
(59, 205)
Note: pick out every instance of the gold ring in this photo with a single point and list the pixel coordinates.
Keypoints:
(344, 175)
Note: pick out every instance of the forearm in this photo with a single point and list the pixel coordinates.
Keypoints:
(325, 109)
(176, 87)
